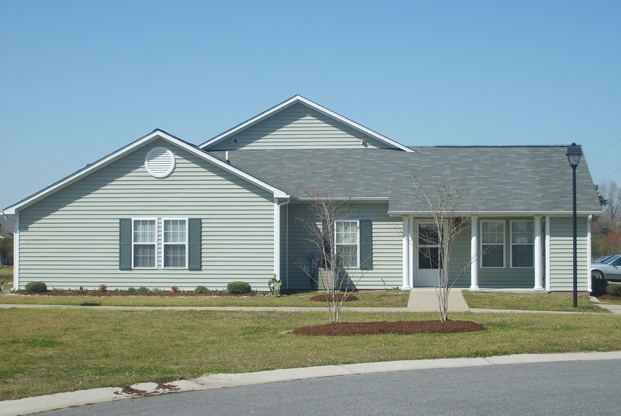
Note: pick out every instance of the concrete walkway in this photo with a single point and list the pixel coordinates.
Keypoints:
(426, 300)
(215, 381)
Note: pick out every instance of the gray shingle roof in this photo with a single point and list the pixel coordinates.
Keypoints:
(529, 179)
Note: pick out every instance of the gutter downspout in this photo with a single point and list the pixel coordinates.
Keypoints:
(277, 235)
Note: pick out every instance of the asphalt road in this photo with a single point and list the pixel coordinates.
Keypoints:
(553, 388)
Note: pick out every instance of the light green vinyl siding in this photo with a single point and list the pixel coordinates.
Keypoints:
(489, 277)
(387, 271)
(299, 127)
(71, 238)
(562, 255)
(460, 259)
(507, 276)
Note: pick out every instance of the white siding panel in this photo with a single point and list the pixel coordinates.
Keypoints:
(71, 238)
(299, 127)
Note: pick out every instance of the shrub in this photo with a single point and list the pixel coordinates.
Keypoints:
(598, 286)
(36, 287)
(102, 289)
(131, 290)
(201, 289)
(174, 289)
(142, 289)
(613, 290)
(238, 287)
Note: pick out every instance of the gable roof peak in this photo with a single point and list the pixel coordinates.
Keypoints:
(311, 104)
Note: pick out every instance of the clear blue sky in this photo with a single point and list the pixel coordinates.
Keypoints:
(81, 79)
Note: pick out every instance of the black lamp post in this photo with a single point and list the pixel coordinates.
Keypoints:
(573, 155)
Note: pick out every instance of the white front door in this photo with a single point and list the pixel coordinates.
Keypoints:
(426, 264)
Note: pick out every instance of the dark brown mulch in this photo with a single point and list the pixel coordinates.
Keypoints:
(124, 293)
(609, 297)
(339, 298)
(398, 327)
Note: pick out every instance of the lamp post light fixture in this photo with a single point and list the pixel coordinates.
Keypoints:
(573, 156)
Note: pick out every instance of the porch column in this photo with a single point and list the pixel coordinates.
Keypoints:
(474, 254)
(538, 255)
(411, 252)
(406, 254)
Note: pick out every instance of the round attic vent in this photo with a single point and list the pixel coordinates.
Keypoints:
(160, 162)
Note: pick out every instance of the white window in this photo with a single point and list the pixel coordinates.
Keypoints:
(175, 243)
(522, 243)
(144, 242)
(347, 243)
(492, 244)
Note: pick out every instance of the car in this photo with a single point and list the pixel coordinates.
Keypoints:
(607, 268)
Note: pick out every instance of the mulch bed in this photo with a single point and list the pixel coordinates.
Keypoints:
(609, 297)
(385, 327)
(96, 293)
(328, 298)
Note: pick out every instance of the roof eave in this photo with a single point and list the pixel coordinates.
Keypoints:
(499, 213)
(156, 134)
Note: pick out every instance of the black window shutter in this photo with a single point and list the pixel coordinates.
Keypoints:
(366, 245)
(194, 239)
(125, 244)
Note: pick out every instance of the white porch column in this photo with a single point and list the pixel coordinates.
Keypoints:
(406, 254)
(538, 260)
(474, 254)
(548, 254)
(411, 252)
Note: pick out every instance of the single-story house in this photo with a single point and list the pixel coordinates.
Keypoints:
(162, 212)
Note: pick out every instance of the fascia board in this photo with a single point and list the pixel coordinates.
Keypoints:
(345, 198)
(12, 210)
(501, 213)
(299, 99)
(254, 120)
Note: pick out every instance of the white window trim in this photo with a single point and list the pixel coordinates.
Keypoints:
(187, 225)
(155, 243)
(357, 266)
(531, 244)
(504, 250)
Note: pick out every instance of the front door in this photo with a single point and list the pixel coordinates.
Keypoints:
(426, 266)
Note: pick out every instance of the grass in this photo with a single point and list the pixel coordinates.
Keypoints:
(379, 298)
(529, 301)
(55, 350)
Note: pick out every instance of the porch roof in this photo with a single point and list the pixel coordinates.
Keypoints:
(499, 179)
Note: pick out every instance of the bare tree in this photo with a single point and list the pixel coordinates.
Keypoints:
(442, 202)
(334, 263)
(611, 218)
(607, 226)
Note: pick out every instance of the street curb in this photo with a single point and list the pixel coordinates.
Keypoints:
(101, 395)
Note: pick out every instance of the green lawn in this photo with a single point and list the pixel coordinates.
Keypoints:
(55, 350)
(379, 298)
(529, 301)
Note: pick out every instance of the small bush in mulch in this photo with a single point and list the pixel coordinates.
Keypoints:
(36, 287)
(613, 290)
(385, 327)
(238, 288)
(328, 297)
(201, 289)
